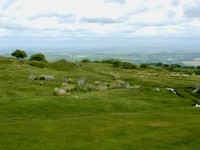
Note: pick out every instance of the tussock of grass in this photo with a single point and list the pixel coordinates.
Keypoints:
(41, 83)
(101, 87)
(10, 82)
(59, 92)
(70, 81)
(90, 87)
(97, 82)
(68, 88)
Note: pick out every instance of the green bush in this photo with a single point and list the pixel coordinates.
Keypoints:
(38, 57)
(85, 60)
(108, 61)
(144, 65)
(96, 61)
(117, 63)
(128, 65)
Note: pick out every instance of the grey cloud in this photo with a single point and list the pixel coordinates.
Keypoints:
(2, 15)
(187, 28)
(159, 7)
(12, 26)
(102, 20)
(123, 32)
(192, 10)
(116, 1)
(68, 18)
(139, 10)
(72, 31)
(175, 2)
(171, 14)
(8, 3)
(160, 23)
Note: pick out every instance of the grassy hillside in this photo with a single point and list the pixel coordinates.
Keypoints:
(32, 117)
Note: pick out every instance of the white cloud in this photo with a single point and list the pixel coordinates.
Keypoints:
(98, 18)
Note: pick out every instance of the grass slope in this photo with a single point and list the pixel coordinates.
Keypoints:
(31, 117)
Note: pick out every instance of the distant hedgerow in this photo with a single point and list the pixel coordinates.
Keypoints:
(85, 60)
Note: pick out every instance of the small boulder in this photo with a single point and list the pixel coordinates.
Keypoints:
(32, 77)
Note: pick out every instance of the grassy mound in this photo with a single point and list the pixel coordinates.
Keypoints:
(91, 116)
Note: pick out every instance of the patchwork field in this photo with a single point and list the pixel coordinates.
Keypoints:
(100, 114)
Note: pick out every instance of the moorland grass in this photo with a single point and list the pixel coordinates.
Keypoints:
(32, 117)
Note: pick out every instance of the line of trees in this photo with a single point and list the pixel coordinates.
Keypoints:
(114, 62)
(20, 54)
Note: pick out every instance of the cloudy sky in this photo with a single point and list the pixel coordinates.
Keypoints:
(98, 22)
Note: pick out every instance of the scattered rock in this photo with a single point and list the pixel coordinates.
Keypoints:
(156, 89)
(82, 81)
(32, 77)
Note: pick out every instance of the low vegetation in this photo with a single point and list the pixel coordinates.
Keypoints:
(38, 57)
(97, 105)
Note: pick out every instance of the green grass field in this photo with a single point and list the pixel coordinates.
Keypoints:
(32, 117)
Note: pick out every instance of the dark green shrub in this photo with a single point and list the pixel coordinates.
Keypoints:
(85, 60)
(165, 65)
(96, 61)
(159, 64)
(128, 65)
(38, 57)
(117, 63)
(144, 65)
(197, 72)
(171, 68)
(108, 61)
